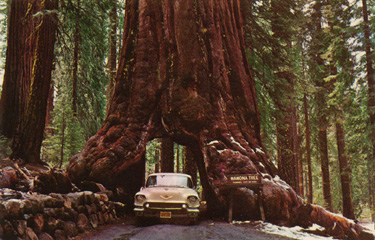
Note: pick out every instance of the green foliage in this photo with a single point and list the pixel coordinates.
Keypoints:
(69, 128)
(5, 150)
(341, 70)
(3, 36)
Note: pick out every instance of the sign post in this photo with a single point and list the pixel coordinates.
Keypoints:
(251, 181)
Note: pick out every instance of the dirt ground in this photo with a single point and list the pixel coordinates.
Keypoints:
(206, 229)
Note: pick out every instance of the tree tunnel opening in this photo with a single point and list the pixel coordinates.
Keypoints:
(165, 155)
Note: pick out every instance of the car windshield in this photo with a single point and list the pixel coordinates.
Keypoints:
(169, 180)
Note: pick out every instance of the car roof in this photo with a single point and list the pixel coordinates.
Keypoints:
(168, 173)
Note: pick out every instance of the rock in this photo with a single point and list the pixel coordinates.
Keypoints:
(89, 197)
(70, 229)
(8, 177)
(94, 208)
(20, 226)
(100, 218)
(102, 197)
(82, 209)
(45, 236)
(366, 235)
(73, 200)
(73, 213)
(14, 208)
(60, 235)
(8, 230)
(37, 223)
(52, 182)
(106, 217)
(91, 186)
(88, 208)
(30, 234)
(82, 222)
(94, 220)
(51, 225)
(3, 212)
(1, 230)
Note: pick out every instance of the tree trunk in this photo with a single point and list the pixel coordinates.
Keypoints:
(286, 155)
(284, 94)
(308, 150)
(324, 158)
(183, 74)
(178, 159)
(167, 155)
(345, 173)
(371, 97)
(18, 66)
(63, 127)
(190, 166)
(112, 58)
(26, 145)
(321, 96)
(76, 50)
(300, 162)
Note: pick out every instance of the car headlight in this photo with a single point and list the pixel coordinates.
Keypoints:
(192, 199)
(140, 198)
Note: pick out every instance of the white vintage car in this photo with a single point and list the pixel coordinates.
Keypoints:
(167, 196)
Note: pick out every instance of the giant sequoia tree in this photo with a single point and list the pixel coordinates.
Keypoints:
(183, 74)
(30, 129)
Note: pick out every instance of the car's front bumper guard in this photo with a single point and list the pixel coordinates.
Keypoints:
(190, 212)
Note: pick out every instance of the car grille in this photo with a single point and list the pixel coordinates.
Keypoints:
(165, 205)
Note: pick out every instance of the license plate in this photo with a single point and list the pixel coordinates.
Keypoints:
(165, 214)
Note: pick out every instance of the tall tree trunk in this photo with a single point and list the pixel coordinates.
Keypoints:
(63, 127)
(190, 166)
(183, 73)
(371, 96)
(112, 50)
(345, 173)
(27, 144)
(300, 162)
(323, 151)
(286, 155)
(18, 67)
(308, 149)
(284, 95)
(167, 155)
(321, 96)
(76, 50)
(178, 159)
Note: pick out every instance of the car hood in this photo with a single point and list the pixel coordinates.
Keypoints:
(167, 193)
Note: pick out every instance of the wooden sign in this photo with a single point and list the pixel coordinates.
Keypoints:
(252, 181)
(243, 179)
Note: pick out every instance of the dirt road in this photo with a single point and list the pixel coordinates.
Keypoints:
(203, 230)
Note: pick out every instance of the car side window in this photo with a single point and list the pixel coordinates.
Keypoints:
(190, 183)
(151, 181)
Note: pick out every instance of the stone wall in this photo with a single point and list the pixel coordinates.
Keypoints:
(54, 216)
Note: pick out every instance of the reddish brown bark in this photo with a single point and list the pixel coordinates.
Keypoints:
(167, 155)
(112, 58)
(190, 166)
(321, 96)
(345, 173)
(76, 50)
(26, 145)
(308, 150)
(18, 67)
(286, 147)
(183, 74)
(198, 90)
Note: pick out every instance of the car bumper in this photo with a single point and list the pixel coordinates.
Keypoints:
(173, 212)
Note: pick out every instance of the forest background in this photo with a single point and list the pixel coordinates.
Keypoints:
(311, 71)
